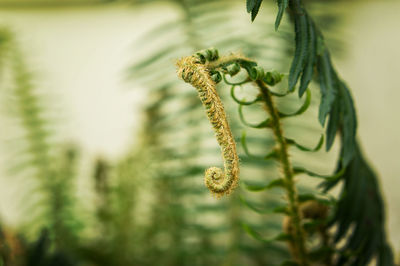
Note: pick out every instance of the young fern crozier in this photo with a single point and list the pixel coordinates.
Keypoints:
(203, 70)
(193, 70)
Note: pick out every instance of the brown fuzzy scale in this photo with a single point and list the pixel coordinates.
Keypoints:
(312, 210)
(219, 182)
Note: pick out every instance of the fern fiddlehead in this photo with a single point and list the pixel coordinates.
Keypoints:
(203, 70)
(193, 70)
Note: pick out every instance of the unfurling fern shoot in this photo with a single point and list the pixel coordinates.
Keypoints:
(193, 70)
(202, 71)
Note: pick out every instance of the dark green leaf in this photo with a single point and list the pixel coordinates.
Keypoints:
(310, 62)
(385, 257)
(361, 210)
(253, 6)
(282, 5)
(349, 124)
(328, 85)
(301, 50)
(333, 124)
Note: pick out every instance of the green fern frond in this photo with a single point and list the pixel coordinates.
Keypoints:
(312, 56)
(51, 169)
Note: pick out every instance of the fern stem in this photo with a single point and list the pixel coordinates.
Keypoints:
(291, 192)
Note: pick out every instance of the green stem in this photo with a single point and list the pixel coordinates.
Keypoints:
(294, 210)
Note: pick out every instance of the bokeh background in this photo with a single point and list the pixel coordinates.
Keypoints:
(80, 53)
